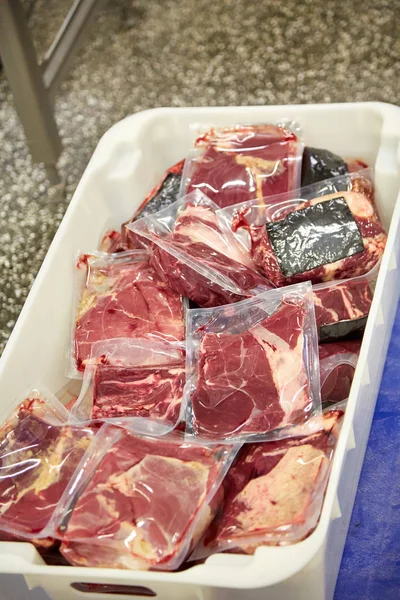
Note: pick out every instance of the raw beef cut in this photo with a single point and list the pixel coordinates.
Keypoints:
(337, 365)
(274, 491)
(341, 309)
(331, 237)
(146, 503)
(138, 378)
(123, 297)
(165, 193)
(154, 392)
(255, 381)
(197, 255)
(245, 162)
(37, 460)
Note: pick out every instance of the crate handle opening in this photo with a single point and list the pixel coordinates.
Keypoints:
(112, 588)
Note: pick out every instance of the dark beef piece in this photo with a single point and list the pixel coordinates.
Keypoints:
(166, 192)
(37, 460)
(341, 309)
(166, 195)
(336, 382)
(125, 299)
(319, 164)
(140, 503)
(154, 392)
(306, 250)
(274, 491)
(244, 163)
(253, 382)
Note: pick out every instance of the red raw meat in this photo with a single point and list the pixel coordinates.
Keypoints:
(37, 460)
(336, 376)
(124, 298)
(359, 232)
(145, 505)
(253, 382)
(274, 491)
(244, 163)
(341, 347)
(154, 392)
(199, 259)
(341, 309)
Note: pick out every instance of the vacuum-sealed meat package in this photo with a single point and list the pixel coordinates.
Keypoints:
(139, 381)
(120, 295)
(337, 365)
(196, 253)
(245, 162)
(39, 453)
(141, 502)
(334, 236)
(342, 307)
(319, 164)
(165, 193)
(252, 367)
(274, 491)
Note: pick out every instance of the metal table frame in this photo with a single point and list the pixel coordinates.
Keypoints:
(33, 85)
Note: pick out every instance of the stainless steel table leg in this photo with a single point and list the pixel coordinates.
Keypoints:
(30, 96)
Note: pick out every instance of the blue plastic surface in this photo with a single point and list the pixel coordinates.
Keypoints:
(370, 568)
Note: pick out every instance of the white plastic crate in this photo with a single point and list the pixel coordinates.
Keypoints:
(128, 161)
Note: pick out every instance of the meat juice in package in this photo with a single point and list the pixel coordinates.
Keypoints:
(244, 162)
(252, 367)
(196, 253)
(141, 502)
(274, 491)
(324, 237)
(139, 381)
(342, 307)
(39, 452)
(338, 361)
(120, 295)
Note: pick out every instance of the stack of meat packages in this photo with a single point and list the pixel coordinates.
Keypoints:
(216, 337)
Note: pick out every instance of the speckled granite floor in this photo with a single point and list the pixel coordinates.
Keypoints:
(165, 52)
